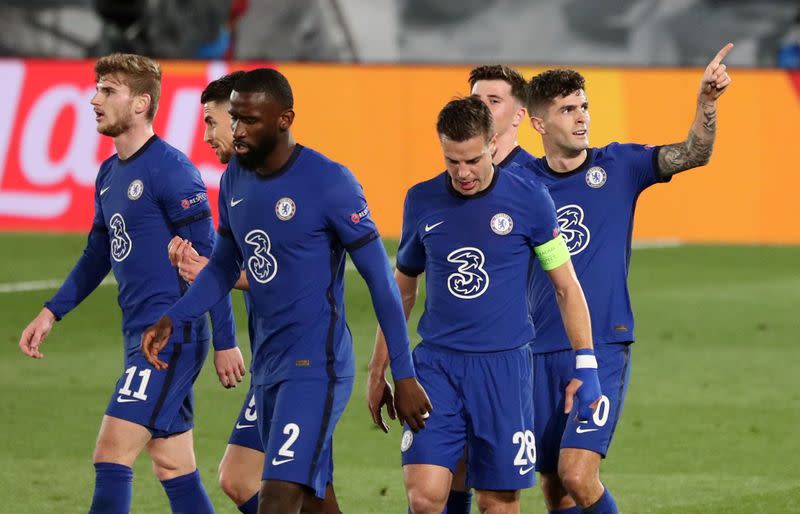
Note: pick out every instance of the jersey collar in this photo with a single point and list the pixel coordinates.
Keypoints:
(142, 149)
(479, 194)
(583, 166)
(510, 157)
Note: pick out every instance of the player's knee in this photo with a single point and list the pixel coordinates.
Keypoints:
(232, 484)
(422, 501)
(106, 451)
(576, 480)
(553, 490)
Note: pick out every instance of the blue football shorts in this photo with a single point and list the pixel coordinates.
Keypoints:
(161, 401)
(296, 420)
(481, 402)
(555, 430)
(245, 431)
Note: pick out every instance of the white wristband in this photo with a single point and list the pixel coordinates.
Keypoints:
(585, 361)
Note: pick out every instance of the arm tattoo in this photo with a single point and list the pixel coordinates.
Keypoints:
(709, 117)
(696, 150)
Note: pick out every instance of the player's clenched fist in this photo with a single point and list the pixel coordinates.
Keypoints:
(154, 339)
(411, 403)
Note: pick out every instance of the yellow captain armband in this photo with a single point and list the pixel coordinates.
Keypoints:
(553, 253)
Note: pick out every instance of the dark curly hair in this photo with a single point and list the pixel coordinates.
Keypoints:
(551, 84)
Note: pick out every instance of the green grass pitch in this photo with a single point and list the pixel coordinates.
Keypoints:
(710, 422)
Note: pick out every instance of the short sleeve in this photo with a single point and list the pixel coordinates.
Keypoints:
(642, 162)
(411, 253)
(543, 221)
(347, 212)
(183, 195)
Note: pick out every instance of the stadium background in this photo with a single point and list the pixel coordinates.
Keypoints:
(709, 422)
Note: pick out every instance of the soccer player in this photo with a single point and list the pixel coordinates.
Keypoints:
(595, 191)
(473, 231)
(505, 92)
(289, 213)
(144, 194)
(241, 466)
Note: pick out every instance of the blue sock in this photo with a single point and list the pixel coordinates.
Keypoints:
(571, 510)
(605, 505)
(459, 502)
(250, 506)
(187, 495)
(113, 487)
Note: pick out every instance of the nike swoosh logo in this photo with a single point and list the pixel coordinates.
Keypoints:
(525, 471)
(240, 426)
(582, 430)
(104, 190)
(428, 228)
(234, 203)
(276, 462)
(122, 399)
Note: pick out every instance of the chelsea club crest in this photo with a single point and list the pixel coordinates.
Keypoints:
(596, 177)
(501, 224)
(285, 209)
(136, 189)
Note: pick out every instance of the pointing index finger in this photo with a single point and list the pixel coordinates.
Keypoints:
(721, 55)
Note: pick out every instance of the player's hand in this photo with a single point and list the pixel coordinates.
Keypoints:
(190, 265)
(36, 332)
(715, 77)
(585, 385)
(379, 393)
(172, 250)
(411, 403)
(154, 339)
(230, 366)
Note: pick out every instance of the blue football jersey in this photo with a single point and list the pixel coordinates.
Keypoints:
(519, 157)
(291, 230)
(140, 204)
(595, 205)
(476, 252)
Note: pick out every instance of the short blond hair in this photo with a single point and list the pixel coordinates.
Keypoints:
(141, 74)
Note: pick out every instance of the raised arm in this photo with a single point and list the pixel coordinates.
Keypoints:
(696, 149)
(379, 392)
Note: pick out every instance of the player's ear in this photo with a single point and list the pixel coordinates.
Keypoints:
(141, 103)
(519, 116)
(286, 119)
(538, 124)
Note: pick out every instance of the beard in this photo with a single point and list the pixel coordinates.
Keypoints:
(257, 154)
(122, 125)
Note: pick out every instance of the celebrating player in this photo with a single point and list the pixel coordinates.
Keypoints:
(472, 230)
(241, 466)
(289, 214)
(145, 194)
(595, 191)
